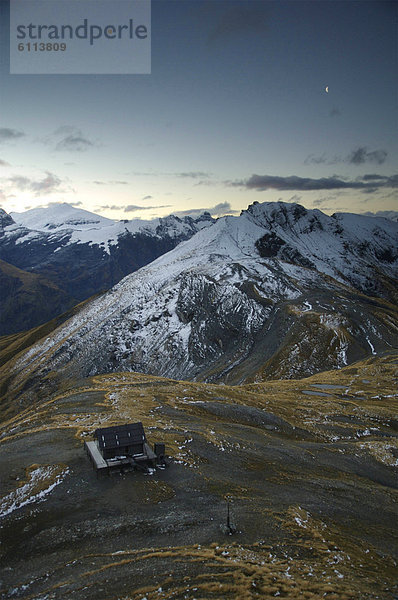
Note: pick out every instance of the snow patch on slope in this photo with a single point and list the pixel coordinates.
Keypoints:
(42, 481)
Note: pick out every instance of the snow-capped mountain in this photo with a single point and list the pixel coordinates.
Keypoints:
(62, 226)
(83, 227)
(82, 253)
(60, 216)
(279, 291)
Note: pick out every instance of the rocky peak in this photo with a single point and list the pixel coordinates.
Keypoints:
(5, 219)
(206, 216)
(273, 214)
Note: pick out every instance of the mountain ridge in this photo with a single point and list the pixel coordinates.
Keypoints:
(215, 309)
(81, 253)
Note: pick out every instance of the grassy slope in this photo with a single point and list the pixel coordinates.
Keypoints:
(13, 396)
(27, 299)
(12, 345)
(312, 480)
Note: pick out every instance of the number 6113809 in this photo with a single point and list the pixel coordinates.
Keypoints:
(42, 47)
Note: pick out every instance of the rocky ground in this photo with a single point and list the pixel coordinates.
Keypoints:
(309, 468)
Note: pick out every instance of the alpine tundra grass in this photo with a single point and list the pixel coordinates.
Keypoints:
(308, 467)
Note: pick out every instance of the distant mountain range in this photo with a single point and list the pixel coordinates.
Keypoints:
(64, 255)
(278, 292)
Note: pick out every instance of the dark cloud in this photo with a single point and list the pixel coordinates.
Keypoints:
(391, 181)
(190, 212)
(193, 174)
(99, 182)
(4, 163)
(294, 183)
(273, 182)
(328, 199)
(147, 197)
(9, 135)
(239, 21)
(221, 209)
(372, 177)
(78, 203)
(134, 208)
(74, 143)
(316, 160)
(208, 182)
(218, 210)
(68, 139)
(361, 156)
(50, 183)
(108, 207)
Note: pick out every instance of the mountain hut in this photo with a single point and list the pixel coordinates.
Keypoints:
(123, 446)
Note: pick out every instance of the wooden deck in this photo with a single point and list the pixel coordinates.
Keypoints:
(95, 455)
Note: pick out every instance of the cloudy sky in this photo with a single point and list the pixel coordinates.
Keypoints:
(235, 110)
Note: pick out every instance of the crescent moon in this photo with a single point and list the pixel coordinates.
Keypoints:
(327, 89)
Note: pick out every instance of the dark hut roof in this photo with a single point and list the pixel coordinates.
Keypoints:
(120, 435)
